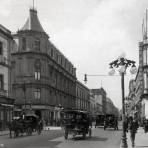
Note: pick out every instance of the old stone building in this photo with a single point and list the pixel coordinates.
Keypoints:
(44, 80)
(82, 97)
(6, 100)
(111, 108)
(138, 93)
(92, 104)
(100, 100)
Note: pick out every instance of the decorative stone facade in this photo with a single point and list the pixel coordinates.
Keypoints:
(44, 80)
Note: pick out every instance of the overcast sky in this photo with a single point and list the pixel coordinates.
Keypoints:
(90, 33)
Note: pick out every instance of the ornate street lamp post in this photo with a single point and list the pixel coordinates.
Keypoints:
(122, 63)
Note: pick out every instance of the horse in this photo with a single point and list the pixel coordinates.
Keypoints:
(18, 126)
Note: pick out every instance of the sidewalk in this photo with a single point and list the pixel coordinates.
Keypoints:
(46, 128)
(141, 140)
(5, 132)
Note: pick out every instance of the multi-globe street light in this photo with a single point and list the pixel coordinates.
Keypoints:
(122, 63)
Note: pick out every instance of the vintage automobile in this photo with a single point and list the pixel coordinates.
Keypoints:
(76, 122)
(100, 120)
(111, 121)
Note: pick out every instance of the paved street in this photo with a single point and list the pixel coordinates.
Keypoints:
(54, 139)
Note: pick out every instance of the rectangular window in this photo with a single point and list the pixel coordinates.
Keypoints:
(144, 56)
(145, 81)
(52, 53)
(37, 75)
(65, 63)
(37, 44)
(61, 61)
(1, 81)
(1, 48)
(57, 58)
(23, 44)
(37, 93)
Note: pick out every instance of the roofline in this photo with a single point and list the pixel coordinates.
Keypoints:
(5, 31)
(82, 85)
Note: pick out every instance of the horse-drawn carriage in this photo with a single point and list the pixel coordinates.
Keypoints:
(27, 124)
(76, 123)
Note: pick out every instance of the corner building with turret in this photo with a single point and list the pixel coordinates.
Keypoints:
(43, 79)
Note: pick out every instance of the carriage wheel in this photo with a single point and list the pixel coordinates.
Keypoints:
(74, 135)
(84, 135)
(16, 133)
(90, 132)
(104, 127)
(39, 129)
(66, 134)
(29, 131)
(10, 133)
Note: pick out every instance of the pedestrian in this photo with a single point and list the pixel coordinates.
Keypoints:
(116, 123)
(39, 125)
(133, 126)
(126, 124)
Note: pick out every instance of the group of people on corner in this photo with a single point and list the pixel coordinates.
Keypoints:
(131, 124)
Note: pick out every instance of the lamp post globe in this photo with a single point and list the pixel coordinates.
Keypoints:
(133, 70)
(112, 71)
(122, 69)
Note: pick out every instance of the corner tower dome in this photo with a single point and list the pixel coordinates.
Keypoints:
(33, 22)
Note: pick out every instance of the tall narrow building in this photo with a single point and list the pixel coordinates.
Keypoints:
(44, 80)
